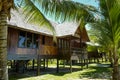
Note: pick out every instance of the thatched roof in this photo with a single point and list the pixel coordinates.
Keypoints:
(62, 29)
(17, 21)
(66, 28)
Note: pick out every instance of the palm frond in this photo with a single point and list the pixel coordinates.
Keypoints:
(33, 15)
(67, 10)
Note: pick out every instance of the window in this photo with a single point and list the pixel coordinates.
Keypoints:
(29, 40)
(43, 40)
(22, 39)
(35, 41)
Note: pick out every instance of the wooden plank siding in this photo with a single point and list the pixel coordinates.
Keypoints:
(16, 53)
(46, 47)
(12, 40)
(63, 48)
(48, 50)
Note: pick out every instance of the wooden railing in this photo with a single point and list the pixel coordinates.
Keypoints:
(48, 50)
(77, 50)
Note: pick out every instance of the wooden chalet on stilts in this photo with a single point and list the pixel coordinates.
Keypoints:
(29, 42)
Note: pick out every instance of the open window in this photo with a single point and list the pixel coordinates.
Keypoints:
(22, 39)
(27, 40)
(35, 41)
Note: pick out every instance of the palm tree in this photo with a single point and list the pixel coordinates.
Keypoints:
(100, 31)
(5, 7)
(57, 8)
(109, 31)
(112, 15)
(68, 10)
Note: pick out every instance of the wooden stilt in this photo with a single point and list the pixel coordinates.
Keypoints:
(44, 63)
(81, 63)
(70, 45)
(87, 63)
(84, 62)
(70, 65)
(11, 64)
(64, 63)
(33, 64)
(47, 63)
(57, 65)
(38, 65)
(14, 63)
(23, 65)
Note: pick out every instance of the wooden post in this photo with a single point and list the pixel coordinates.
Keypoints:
(14, 63)
(11, 64)
(57, 65)
(23, 65)
(38, 65)
(87, 63)
(44, 63)
(47, 63)
(70, 65)
(70, 55)
(64, 63)
(59, 46)
(81, 63)
(33, 64)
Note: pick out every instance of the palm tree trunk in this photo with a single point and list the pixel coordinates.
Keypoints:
(3, 46)
(116, 65)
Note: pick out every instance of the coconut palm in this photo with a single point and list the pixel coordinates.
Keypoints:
(109, 31)
(68, 10)
(57, 8)
(101, 32)
(5, 7)
(112, 15)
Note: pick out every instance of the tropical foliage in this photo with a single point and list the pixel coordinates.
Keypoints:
(34, 16)
(108, 31)
(57, 8)
(67, 10)
(37, 10)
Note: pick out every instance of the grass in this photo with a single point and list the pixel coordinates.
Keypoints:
(94, 72)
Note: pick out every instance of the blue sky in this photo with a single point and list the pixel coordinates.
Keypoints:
(89, 2)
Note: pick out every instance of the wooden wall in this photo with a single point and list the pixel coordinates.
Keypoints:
(75, 43)
(46, 47)
(16, 53)
(12, 40)
(46, 40)
(63, 48)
